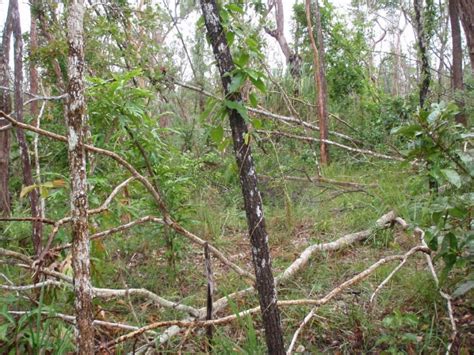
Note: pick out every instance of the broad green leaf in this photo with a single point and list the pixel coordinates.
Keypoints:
(253, 100)
(241, 109)
(259, 84)
(242, 59)
(236, 82)
(217, 133)
(452, 176)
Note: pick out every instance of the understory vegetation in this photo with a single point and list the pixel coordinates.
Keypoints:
(164, 188)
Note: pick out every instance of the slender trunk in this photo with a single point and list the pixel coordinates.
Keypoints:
(24, 152)
(248, 179)
(457, 80)
(422, 52)
(77, 134)
(5, 106)
(319, 78)
(293, 60)
(466, 12)
(33, 50)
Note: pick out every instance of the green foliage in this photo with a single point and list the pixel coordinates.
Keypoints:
(435, 139)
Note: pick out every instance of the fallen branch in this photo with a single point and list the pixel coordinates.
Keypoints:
(268, 114)
(336, 144)
(167, 220)
(348, 283)
(224, 320)
(110, 231)
(72, 319)
(98, 292)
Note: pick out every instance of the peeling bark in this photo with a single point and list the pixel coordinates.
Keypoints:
(37, 233)
(248, 179)
(77, 134)
(319, 78)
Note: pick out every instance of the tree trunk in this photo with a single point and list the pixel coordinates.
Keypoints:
(293, 60)
(422, 52)
(77, 134)
(5, 106)
(457, 80)
(33, 50)
(248, 179)
(466, 12)
(319, 78)
(37, 235)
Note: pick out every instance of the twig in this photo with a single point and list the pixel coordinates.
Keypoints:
(350, 282)
(315, 302)
(72, 319)
(336, 144)
(167, 220)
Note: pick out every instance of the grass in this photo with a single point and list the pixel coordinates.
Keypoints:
(314, 214)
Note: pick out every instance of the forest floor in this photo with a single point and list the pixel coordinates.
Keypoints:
(408, 315)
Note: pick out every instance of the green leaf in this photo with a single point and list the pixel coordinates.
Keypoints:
(463, 288)
(241, 109)
(259, 84)
(230, 36)
(217, 133)
(242, 59)
(236, 83)
(253, 100)
(452, 176)
(235, 8)
(247, 138)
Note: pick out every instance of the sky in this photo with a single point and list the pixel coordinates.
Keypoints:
(275, 56)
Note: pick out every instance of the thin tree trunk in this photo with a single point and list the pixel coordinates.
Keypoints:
(248, 179)
(319, 78)
(293, 60)
(422, 51)
(33, 50)
(466, 12)
(77, 134)
(457, 80)
(5, 106)
(37, 234)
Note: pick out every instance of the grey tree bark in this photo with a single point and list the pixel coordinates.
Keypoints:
(248, 180)
(77, 134)
(293, 60)
(422, 52)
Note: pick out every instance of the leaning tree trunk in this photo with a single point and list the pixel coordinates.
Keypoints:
(5, 106)
(248, 180)
(466, 12)
(457, 80)
(422, 52)
(319, 78)
(77, 134)
(34, 195)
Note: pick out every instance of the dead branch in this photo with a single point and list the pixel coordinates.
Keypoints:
(267, 114)
(72, 319)
(227, 319)
(348, 283)
(98, 292)
(338, 244)
(336, 144)
(110, 231)
(27, 219)
(167, 220)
